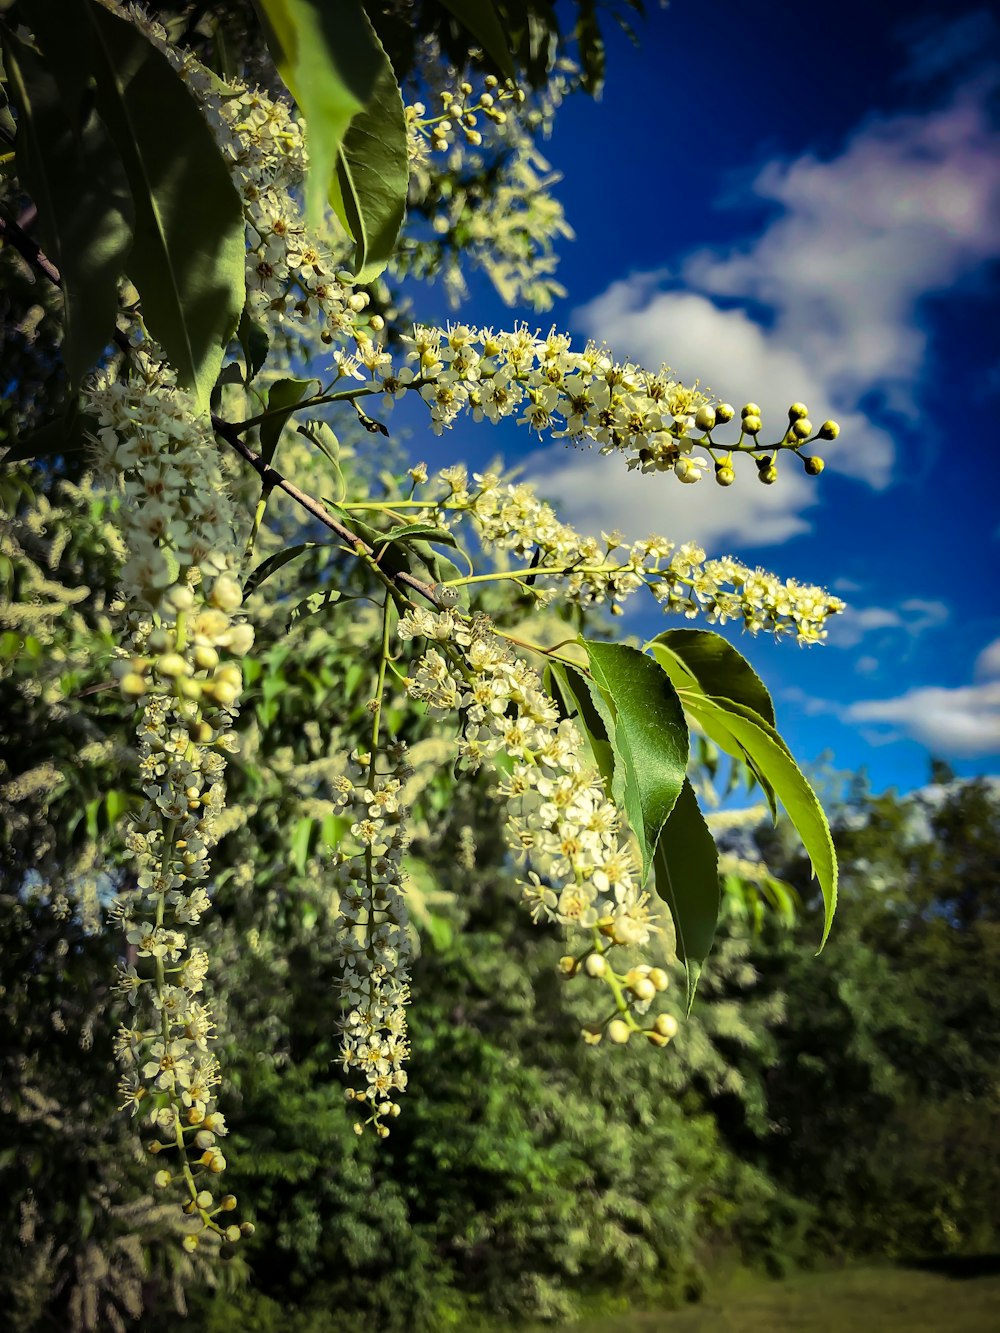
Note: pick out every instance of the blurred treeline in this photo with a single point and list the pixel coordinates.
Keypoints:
(811, 1109)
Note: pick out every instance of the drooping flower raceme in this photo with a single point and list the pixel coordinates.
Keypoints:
(579, 866)
(180, 532)
(372, 936)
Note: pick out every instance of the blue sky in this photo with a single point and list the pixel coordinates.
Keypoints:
(804, 203)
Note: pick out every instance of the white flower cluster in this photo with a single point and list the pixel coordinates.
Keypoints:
(561, 821)
(372, 936)
(583, 872)
(292, 279)
(180, 533)
(511, 517)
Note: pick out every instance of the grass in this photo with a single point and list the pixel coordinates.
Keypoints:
(863, 1300)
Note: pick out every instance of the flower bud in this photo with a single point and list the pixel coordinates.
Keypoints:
(813, 466)
(643, 989)
(591, 1034)
(240, 639)
(724, 412)
(802, 428)
(829, 430)
(233, 1233)
(596, 965)
(750, 410)
(768, 475)
(227, 594)
(797, 411)
(172, 665)
(752, 424)
(132, 685)
(656, 1038)
(228, 1202)
(162, 1179)
(618, 1032)
(659, 978)
(724, 474)
(705, 417)
(190, 1242)
(204, 1199)
(568, 965)
(247, 1228)
(666, 1025)
(206, 658)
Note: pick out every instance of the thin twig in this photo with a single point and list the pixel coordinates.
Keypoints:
(272, 478)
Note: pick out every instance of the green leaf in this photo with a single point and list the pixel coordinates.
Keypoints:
(313, 605)
(68, 163)
(329, 59)
(64, 435)
(480, 18)
(283, 399)
(650, 737)
(322, 436)
(255, 344)
(575, 695)
(686, 867)
(301, 842)
(769, 755)
(429, 531)
(368, 187)
(274, 562)
(188, 254)
(705, 660)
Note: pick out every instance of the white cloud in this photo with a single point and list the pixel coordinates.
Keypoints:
(595, 491)
(824, 305)
(987, 665)
(914, 616)
(962, 721)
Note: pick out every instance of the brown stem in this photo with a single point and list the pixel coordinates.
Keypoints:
(273, 479)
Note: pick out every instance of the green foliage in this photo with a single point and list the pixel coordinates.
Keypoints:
(687, 879)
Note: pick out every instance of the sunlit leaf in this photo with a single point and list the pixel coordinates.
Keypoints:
(686, 869)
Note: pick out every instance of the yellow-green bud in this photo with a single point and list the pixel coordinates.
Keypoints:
(619, 1032)
(223, 692)
(750, 410)
(666, 1025)
(802, 428)
(768, 475)
(228, 1202)
(829, 430)
(814, 466)
(189, 689)
(659, 978)
(705, 417)
(656, 1038)
(190, 1242)
(172, 665)
(132, 685)
(158, 641)
(596, 965)
(162, 1179)
(797, 410)
(247, 1228)
(724, 474)
(204, 1199)
(206, 658)
(643, 989)
(724, 412)
(568, 965)
(752, 424)
(591, 1034)
(233, 1233)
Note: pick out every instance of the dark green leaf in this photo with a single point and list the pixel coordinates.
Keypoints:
(274, 562)
(650, 737)
(255, 343)
(575, 696)
(714, 666)
(480, 19)
(429, 531)
(770, 756)
(301, 841)
(284, 398)
(323, 437)
(313, 605)
(329, 59)
(686, 866)
(68, 163)
(188, 255)
(368, 187)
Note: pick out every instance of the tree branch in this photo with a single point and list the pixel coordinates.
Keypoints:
(274, 480)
